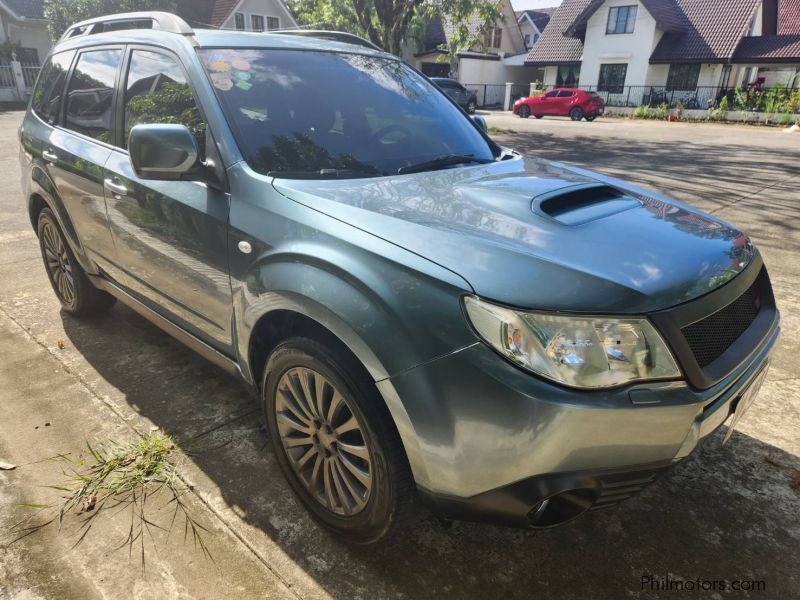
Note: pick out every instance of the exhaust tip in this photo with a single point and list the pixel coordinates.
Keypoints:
(563, 507)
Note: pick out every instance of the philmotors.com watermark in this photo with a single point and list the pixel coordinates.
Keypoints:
(666, 583)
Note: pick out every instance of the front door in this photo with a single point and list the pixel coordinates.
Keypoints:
(170, 236)
(549, 104)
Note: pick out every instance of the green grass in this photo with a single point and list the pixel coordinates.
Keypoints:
(140, 476)
(493, 129)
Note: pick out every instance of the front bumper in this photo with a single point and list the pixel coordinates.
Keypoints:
(492, 443)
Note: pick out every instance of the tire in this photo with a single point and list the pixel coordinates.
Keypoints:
(309, 442)
(538, 116)
(472, 106)
(73, 289)
(576, 114)
(592, 118)
(524, 112)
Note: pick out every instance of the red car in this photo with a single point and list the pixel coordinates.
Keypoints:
(561, 102)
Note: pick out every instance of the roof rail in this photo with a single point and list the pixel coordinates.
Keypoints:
(334, 36)
(132, 20)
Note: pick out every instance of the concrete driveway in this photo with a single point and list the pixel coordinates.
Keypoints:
(724, 514)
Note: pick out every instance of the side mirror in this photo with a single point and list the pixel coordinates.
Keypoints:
(479, 121)
(162, 151)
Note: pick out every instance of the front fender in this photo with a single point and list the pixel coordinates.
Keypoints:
(390, 317)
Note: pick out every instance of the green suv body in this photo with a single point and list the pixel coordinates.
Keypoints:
(421, 312)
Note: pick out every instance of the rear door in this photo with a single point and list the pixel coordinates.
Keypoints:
(566, 100)
(170, 236)
(75, 152)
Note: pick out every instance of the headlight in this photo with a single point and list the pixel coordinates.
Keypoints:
(579, 351)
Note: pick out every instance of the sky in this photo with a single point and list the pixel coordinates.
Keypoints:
(528, 4)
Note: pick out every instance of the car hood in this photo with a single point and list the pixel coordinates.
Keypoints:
(542, 235)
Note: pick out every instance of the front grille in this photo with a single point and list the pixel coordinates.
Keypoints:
(711, 336)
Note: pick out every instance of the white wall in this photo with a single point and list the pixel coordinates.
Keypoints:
(30, 34)
(550, 76)
(778, 75)
(633, 49)
(529, 30)
(268, 8)
(473, 70)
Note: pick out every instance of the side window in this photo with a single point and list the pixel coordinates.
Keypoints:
(565, 94)
(50, 87)
(156, 91)
(552, 94)
(90, 94)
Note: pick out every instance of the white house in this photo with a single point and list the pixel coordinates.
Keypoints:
(630, 47)
(22, 25)
(532, 24)
(243, 15)
(502, 61)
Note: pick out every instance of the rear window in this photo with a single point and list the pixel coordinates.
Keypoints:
(90, 94)
(50, 87)
(593, 94)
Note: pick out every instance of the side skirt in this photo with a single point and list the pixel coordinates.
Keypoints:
(210, 354)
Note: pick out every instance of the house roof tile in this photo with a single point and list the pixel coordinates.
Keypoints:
(29, 9)
(540, 17)
(769, 49)
(789, 17)
(664, 12)
(712, 30)
(553, 48)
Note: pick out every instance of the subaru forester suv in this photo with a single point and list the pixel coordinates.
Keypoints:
(421, 312)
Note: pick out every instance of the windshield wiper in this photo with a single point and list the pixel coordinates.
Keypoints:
(322, 174)
(445, 160)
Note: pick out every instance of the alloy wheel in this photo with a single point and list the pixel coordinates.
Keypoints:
(324, 441)
(58, 263)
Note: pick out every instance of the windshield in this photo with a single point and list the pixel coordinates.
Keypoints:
(294, 111)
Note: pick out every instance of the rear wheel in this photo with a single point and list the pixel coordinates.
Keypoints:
(576, 114)
(72, 287)
(335, 442)
(524, 112)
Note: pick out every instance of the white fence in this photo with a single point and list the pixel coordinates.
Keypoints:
(17, 80)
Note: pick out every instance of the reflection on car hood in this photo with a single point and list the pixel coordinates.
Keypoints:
(482, 222)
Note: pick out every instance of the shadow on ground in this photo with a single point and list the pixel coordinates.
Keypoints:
(725, 513)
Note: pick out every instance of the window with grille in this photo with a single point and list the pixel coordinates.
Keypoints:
(257, 22)
(683, 77)
(273, 23)
(612, 78)
(238, 21)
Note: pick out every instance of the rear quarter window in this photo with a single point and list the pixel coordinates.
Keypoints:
(50, 86)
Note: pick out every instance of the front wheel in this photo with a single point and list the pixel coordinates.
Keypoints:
(524, 112)
(576, 114)
(472, 106)
(335, 442)
(72, 287)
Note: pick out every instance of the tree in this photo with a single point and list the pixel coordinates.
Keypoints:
(391, 23)
(60, 14)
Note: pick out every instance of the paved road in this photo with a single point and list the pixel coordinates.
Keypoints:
(726, 513)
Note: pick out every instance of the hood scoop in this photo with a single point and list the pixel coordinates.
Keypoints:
(580, 204)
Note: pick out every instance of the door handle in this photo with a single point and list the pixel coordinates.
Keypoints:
(115, 188)
(50, 156)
